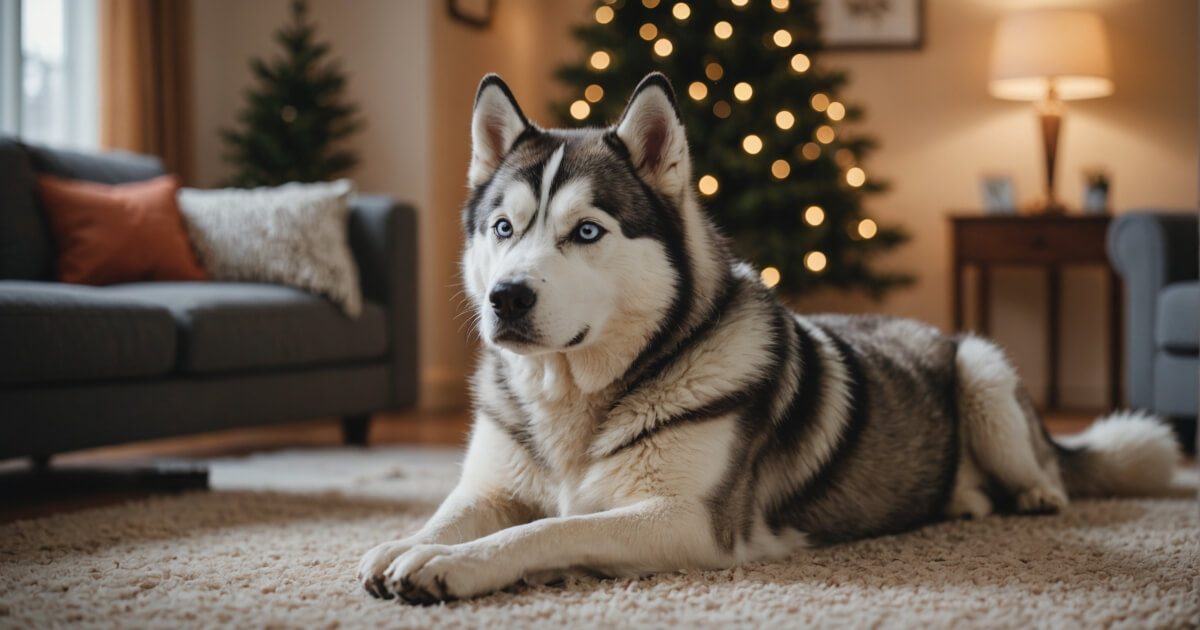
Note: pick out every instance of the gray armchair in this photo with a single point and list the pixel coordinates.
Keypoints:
(1156, 253)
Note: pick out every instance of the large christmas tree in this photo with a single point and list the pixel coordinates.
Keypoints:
(774, 159)
(295, 121)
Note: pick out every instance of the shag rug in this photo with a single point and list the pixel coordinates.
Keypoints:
(277, 541)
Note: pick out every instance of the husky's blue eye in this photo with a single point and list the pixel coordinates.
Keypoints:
(503, 228)
(588, 232)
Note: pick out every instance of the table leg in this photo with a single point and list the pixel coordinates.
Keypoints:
(984, 300)
(1116, 329)
(1052, 284)
(957, 296)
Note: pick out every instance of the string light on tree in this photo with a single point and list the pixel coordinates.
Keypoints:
(752, 144)
(856, 177)
(580, 110)
(770, 276)
(867, 228)
(742, 91)
(781, 170)
(815, 261)
(814, 216)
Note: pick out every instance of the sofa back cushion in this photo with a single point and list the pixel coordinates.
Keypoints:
(111, 167)
(126, 233)
(26, 251)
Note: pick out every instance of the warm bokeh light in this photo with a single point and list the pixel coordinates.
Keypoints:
(649, 4)
(780, 5)
(600, 60)
(721, 109)
(697, 91)
(844, 157)
(782, 38)
(784, 119)
(723, 29)
(663, 47)
(752, 144)
(714, 71)
(819, 101)
(780, 169)
(580, 110)
(648, 31)
(867, 228)
(593, 93)
(814, 216)
(856, 177)
(604, 14)
(824, 134)
(742, 91)
(708, 185)
(815, 261)
(681, 11)
(770, 277)
(811, 150)
(800, 62)
(740, 3)
(836, 111)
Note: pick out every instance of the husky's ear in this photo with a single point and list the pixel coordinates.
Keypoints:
(495, 126)
(653, 132)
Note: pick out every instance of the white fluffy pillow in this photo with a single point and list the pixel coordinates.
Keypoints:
(294, 235)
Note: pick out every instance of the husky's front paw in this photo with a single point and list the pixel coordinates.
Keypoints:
(1041, 500)
(427, 574)
(376, 561)
(969, 503)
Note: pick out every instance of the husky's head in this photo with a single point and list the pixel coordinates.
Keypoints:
(579, 239)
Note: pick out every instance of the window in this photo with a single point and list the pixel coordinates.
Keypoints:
(49, 71)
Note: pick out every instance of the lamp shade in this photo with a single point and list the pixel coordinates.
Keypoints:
(1036, 49)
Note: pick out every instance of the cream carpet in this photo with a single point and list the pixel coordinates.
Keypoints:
(276, 543)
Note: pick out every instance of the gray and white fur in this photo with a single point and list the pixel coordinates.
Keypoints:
(645, 404)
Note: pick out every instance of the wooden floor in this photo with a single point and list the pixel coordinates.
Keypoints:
(411, 428)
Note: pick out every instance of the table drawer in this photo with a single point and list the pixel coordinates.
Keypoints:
(1031, 241)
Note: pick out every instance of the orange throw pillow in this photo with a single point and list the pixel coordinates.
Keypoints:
(125, 233)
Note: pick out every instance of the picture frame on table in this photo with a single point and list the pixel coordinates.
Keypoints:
(998, 194)
(872, 24)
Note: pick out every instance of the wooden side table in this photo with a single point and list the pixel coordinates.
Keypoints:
(1050, 242)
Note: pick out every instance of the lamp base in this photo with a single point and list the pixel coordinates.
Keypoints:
(1046, 208)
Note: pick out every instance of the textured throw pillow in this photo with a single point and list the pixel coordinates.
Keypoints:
(294, 235)
(124, 233)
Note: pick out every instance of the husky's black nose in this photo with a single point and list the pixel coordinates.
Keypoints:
(512, 300)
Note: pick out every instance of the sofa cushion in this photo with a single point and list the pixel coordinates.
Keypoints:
(112, 167)
(123, 233)
(60, 332)
(26, 250)
(1177, 328)
(230, 326)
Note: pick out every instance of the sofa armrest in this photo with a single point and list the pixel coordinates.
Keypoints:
(1150, 250)
(383, 237)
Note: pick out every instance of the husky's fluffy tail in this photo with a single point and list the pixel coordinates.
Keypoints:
(1125, 453)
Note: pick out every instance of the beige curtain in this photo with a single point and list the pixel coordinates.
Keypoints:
(145, 79)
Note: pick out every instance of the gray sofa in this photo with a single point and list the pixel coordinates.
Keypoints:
(1157, 254)
(85, 366)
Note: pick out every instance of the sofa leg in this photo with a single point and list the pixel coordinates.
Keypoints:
(355, 429)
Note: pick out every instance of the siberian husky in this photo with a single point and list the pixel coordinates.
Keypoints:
(645, 404)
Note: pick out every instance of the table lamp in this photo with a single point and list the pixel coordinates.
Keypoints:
(1050, 57)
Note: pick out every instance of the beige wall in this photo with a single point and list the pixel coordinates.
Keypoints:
(414, 72)
(940, 130)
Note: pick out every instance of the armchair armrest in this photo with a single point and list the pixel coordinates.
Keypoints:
(383, 237)
(1150, 250)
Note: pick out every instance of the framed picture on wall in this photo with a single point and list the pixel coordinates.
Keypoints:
(872, 24)
(997, 194)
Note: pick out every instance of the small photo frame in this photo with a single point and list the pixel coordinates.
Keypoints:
(872, 24)
(997, 194)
